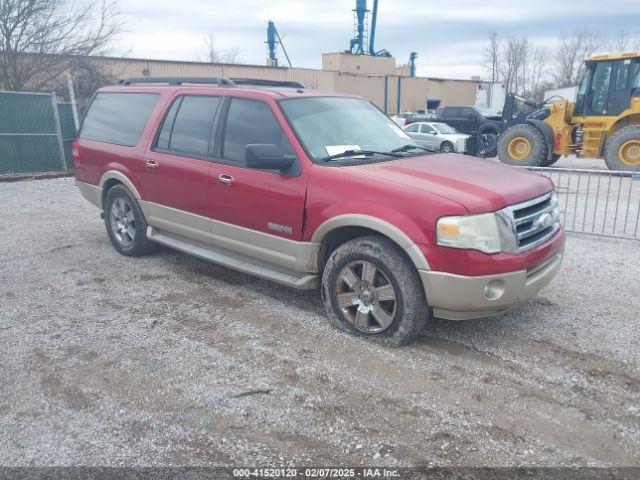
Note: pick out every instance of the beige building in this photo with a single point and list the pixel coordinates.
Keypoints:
(374, 78)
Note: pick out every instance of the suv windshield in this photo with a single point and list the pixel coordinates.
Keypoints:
(332, 125)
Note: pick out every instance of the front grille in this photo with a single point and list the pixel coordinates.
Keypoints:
(534, 221)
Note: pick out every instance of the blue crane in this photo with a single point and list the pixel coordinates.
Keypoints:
(273, 39)
(358, 45)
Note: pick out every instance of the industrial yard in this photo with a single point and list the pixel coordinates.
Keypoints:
(171, 360)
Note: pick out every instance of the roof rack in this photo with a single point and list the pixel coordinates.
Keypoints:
(258, 82)
(178, 80)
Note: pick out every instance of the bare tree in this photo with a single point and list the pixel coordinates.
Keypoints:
(37, 37)
(625, 41)
(513, 64)
(491, 56)
(212, 54)
(570, 53)
(537, 65)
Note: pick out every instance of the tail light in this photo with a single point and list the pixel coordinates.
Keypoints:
(75, 154)
(406, 122)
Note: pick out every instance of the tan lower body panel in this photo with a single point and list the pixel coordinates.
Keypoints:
(458, 297)
(295, 256)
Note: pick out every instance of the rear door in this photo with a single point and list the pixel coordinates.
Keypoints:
(621, 86)
(255, 208)
(177, 176)
(452, 116)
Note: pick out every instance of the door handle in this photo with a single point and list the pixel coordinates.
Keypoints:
(152, 164)
(225, 179)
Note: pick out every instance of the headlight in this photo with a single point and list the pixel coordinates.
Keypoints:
(473, 232)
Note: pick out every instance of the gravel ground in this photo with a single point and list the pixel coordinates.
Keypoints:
(168, 360)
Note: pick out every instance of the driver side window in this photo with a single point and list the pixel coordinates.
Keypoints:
(427, 129)
(600, 88)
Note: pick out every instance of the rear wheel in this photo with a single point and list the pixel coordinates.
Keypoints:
(371, 289)
(622, 151)
(550, 161)
(522, 145)
(125, 222)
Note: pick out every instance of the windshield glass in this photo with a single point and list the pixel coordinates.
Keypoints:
(486, 112)
(582, 91)
(444, 128)
(332, 125)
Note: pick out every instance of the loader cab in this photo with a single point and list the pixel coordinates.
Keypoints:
(607, 86)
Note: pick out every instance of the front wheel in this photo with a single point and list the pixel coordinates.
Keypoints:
(522, 145)
(446, 147)
(371, 289)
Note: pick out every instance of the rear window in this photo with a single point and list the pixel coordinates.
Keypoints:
(118, 118)
(188, 126)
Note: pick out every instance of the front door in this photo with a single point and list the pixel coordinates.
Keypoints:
(621, 85)
(428, 136)
(258, 212)
(178, 174)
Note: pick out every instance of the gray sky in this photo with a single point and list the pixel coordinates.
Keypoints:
(448, 35)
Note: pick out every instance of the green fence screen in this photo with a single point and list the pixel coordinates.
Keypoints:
(35, 133)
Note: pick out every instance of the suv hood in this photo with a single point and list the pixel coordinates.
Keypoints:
(477, 184)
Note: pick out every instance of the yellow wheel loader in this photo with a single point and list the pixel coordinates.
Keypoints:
(603, 122)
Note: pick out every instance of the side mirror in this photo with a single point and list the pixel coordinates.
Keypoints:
(266, 156)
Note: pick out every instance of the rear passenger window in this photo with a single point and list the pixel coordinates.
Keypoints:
(250, 122)
(118, 118)
(187, 128)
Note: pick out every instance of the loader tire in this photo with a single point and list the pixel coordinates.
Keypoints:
(622, 151)
(550, 161)
(522, 145)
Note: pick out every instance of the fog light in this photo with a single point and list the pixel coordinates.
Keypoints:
(494, 289)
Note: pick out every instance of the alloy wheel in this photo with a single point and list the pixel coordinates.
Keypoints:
(366, 297)
(122, 221)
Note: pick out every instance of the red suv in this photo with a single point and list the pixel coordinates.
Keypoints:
(314, 189)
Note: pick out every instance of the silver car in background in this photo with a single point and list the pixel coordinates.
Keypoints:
(437, 136)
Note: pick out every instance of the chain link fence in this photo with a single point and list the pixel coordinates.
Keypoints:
(598, 202)
(36, 133)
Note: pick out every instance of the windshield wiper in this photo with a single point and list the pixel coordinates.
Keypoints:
(355, 153)
(407, 147)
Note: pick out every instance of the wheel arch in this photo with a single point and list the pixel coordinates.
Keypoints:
(338, 230)
(114, 177)
(547, 133)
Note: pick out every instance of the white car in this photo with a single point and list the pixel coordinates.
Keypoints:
(400, 119)
(438, 136)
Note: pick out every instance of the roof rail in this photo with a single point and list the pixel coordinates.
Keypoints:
(258, 82)
(179, 80)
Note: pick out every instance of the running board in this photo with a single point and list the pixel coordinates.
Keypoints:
(234, 261)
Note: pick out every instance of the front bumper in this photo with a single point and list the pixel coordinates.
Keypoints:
(459, 297)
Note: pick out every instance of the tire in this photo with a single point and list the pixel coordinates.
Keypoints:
(446, 147)
(550, 161)
(522, 145)
(393, 322)
(125, 223)
(622, 151)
